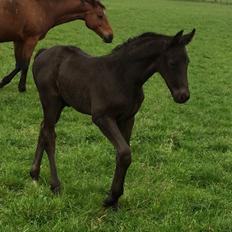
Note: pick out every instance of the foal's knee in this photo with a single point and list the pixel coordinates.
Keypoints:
(124, 157)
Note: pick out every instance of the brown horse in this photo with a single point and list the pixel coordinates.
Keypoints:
(110, 88)
(25, 22)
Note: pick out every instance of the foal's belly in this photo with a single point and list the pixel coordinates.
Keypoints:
(77, 97)
(81, 105)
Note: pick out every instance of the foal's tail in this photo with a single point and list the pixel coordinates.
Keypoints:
(39, 52)
(36, 65)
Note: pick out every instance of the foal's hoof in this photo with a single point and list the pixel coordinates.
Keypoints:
(22, 89)
(56, 189)
(34, 174)
(110, 202)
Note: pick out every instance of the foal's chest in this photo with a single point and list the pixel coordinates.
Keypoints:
(136, 103)
(131, 105)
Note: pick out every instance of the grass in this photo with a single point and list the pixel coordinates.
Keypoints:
(210, 1)
(181, 175)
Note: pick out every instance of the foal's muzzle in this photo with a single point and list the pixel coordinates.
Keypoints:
(181, 96)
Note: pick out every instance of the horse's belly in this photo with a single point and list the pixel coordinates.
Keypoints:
(8, 35)
(10, 29)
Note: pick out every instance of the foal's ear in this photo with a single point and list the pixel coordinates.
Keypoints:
(176, 39)
(186, 39)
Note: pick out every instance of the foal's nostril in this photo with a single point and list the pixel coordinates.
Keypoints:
(181, 96)
(184, 97)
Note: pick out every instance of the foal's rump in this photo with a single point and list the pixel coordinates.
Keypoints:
(65, 72)
(46, 64)
(50, 63)
(39, 52)
(52, 58)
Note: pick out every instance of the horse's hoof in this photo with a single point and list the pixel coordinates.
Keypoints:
(34, 174)
(56, 189)
(110, 202)
(1, 84)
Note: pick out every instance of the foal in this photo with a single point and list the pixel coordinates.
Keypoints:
(25, 22)
(110, 88)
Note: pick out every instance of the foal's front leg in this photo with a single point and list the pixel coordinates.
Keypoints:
(110, 129)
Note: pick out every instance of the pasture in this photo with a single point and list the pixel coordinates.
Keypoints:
(181, 175)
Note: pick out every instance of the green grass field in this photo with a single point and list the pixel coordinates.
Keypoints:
(181, 175)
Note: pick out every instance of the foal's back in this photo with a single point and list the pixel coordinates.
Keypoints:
(91, 85)
(68, 72)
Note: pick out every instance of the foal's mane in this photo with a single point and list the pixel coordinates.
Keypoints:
(141, 39)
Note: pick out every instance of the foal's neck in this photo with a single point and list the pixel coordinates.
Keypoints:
(66, 11)
(139, 58)
(139, 67)
(144, 69)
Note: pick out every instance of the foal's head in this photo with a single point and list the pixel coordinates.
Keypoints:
(96, 20)
(173, 65)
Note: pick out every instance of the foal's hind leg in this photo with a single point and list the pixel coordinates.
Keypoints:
(119, 137)
(52, 109)
(35, 170)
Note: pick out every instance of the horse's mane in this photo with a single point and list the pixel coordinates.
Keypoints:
(139, 39)
(94, 3)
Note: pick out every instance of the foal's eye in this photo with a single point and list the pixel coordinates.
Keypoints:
(172, 64)
(100, 16)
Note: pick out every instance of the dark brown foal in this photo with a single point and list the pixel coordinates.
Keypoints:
(110, 88)
(26, 22)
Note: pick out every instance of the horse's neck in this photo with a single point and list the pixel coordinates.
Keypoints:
(65, 12)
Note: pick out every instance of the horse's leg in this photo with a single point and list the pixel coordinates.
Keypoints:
(18, 51)
(27, 50)
(52, 110)
(111, 130)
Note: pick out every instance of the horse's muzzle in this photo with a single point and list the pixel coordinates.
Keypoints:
(108, 38)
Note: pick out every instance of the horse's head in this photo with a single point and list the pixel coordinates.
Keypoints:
(96, 20)
(173, 66)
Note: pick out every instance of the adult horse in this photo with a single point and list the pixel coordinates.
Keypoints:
(110, 89)
(25, 22)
